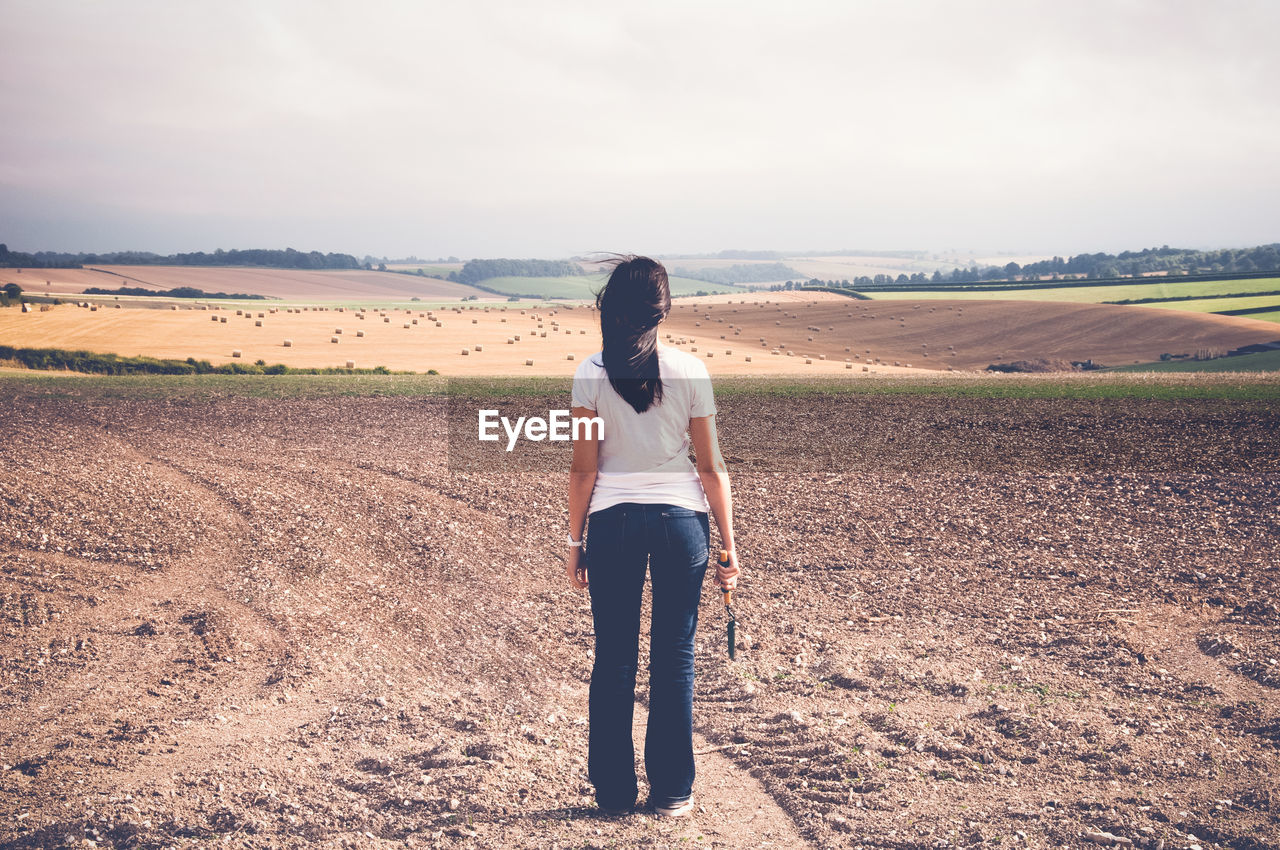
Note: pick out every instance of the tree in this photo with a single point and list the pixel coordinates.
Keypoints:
(12, 290)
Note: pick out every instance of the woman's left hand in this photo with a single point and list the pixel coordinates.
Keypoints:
(575, 567)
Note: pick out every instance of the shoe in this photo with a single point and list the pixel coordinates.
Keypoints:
(616, 812)
(674, 810)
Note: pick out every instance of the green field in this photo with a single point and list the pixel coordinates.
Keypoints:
(1271, 316)
(585, 286)
(1091, 385)
(1213, 305)
(1170, 288)
(1267, 361)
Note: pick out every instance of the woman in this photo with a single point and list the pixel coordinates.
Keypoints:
(648, 506)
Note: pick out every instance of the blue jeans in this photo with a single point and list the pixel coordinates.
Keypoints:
(673, 542)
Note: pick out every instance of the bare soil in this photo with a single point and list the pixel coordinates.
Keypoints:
(276, 622)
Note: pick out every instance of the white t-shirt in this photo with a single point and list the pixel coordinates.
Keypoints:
(644, 457)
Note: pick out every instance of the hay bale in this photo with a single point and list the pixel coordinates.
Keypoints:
(407, 325)
(337, 330)
(465, 351)
(439, 324)
(711, 354)
(288, 343)
(239, 312)
(333, 339)
(262, 315)
(848, 365)
(415, 321)
(866, 368)
(748, 358)
(822, 357)
(235, 352)
(359, 333)
(173, 307)
(258, 323)
(222, 319)
(807, 361)
(511, 341)
(528, 362)
(386, 319)
(568, 357)
(583, 333)
(26, 308)
(351, 364)
(213, 318)
(479, 348)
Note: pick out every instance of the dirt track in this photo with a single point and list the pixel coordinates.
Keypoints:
(281, 621)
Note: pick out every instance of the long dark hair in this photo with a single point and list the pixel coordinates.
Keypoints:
(632, 303)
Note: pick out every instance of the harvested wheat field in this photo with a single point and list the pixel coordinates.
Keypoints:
(780, 337)
(964, 621)
(454, 341)
(286, 284)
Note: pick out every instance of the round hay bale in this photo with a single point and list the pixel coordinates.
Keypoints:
(258, 323)
(711, 354)
(465, 351)
(239, 312)
(235, 352)
(694, 348)
(848, 365)
(568, 357)
(822, 357)
(173, 307)
(333, 339)
(386, 319)
(222, 319)
(791, 354)
(351, 364)
(288, 343)
(477, 321)
(213, 318)
(511, 341)
(866, 368)
(415, 321)
(407, 325)
(479, 348)
(748, 358)
(359, 333)
(439, 324)
(583, 333)
(528, 362)
(807, 361)
(337, 330)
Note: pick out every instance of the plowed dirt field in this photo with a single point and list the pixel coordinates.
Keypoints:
(964, 621)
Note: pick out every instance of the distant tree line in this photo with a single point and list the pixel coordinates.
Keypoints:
(1150, 261)
(739, 273)
(286, 259)
(178, 292)
(475, 271)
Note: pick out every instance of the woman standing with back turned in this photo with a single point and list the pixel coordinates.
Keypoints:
(648, 506)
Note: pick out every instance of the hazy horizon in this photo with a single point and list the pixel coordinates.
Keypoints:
(565, 128)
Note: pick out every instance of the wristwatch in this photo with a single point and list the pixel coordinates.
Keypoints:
(575, 544)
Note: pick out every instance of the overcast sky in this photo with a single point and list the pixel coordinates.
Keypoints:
(554, 127)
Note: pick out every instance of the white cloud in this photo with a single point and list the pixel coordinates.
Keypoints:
(539, 129)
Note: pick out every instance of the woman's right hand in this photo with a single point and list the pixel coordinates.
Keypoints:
(727, 574)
